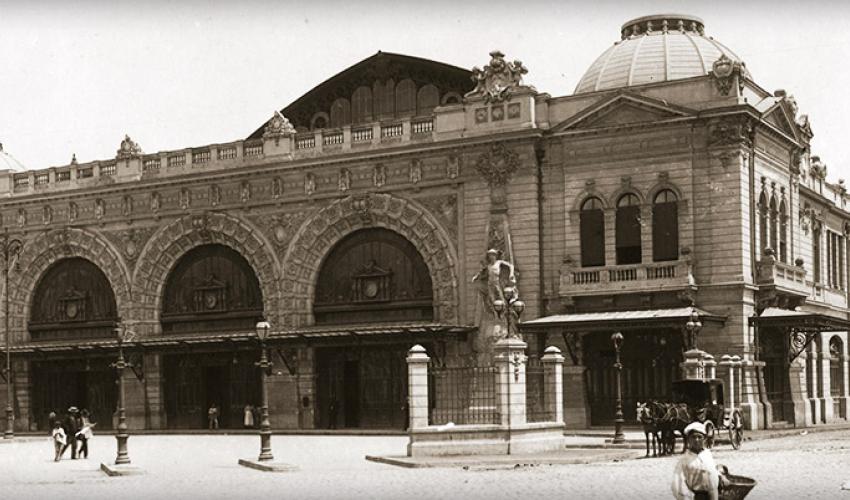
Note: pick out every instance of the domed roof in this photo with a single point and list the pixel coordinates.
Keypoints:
(7, 162)
(655, 49)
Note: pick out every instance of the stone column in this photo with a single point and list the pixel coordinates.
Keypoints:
(814, 406)
(417, 387)
(553, 381)
(510, 381)
(727, 368)
(710, 365)
(827, 409)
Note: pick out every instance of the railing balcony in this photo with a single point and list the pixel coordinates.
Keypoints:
(644, 277)
(792, 278)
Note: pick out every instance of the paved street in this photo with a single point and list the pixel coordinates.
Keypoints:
(203, 466)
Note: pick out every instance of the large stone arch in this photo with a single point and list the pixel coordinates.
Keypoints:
(315, 238)
(168, 244)
(48, 248)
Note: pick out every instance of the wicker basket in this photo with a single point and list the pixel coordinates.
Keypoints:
(737, 488)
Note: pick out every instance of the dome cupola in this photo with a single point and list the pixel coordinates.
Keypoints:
(655, 48)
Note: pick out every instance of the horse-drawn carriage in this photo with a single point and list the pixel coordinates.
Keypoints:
(693, 400)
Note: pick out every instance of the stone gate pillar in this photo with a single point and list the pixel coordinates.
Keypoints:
(553, 382)
(727, 368)
(510, 380)
(417, 387)
(826, 405)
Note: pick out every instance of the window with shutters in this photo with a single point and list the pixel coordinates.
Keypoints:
(627, 237)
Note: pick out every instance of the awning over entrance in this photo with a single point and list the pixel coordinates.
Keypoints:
(622, 320)
(92, 346)
(802, 326)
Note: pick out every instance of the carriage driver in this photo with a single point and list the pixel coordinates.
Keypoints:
(695, 476)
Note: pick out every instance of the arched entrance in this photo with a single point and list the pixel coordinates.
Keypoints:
(371, 276)
(73, 300)
(212, 289)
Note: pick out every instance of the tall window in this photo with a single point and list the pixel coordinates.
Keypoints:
(762, 223)
(816, 254)
(665, 226)
(835, 260)
(783, 232)
(592, 222)
(628, 230)
(773, 225)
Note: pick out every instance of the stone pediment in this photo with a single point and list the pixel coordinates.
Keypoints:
(779, 118)
(623, 109)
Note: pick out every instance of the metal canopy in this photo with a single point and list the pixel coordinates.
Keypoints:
(622, 320)
(801, 326)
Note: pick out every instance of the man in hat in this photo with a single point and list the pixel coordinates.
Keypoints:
(71, 426)
(695, 476)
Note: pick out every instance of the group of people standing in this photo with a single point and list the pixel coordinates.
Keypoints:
(249, 416)
(75, 426)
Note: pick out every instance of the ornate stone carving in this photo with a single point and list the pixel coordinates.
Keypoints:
(127, 206)
(725, 71)
(497, 165)
(155, 202)
(185, 198)
(99, 209)
(497, 79)
(201, 224)
(47, 214)
(496, 284)
(379, 175)
(73, 212)
(805, 126)
(817, 168)
(309, 184)
(277, 188)
(245, 192)
(344, 180)
(415, 171)
(731, 132)
(215, 195)
(22, 217)
(128, 149)
(453, 165)
(444, 208)
(278, 126)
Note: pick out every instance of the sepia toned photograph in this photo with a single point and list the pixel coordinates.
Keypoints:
(424, 250)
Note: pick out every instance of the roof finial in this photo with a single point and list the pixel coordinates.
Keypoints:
(73, 158)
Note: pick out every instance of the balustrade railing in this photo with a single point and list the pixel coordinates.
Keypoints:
(63, 176)
(41, 178)
(253, 150)
(201, 157)
(305, 141)
(150, 164)
(177, 161)
(227, 153)
(332, 138)
(361, 134)
(391, 130)
(599, 277)
(422, 126)
(107, 169)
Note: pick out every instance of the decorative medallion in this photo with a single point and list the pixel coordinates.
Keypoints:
(497, 113)
(497, 165)
(128, 149)
(497, 79)
(277, 127)
(724, 71)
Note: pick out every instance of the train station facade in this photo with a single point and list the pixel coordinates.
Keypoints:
(353, 221)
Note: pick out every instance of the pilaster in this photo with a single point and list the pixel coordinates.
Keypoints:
(510, 385)
(553, 381)
(417, 388)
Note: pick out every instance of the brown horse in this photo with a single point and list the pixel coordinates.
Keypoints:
(676, 416)
(647, 416)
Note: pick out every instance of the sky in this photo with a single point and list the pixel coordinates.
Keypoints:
(75, 76)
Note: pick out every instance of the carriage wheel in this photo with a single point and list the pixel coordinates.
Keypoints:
(736, 429)
(709, 433)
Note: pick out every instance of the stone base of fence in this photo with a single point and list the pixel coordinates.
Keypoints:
(444, 440)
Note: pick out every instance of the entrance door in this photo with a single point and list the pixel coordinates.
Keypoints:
(351, 393)
(774, 353)
(650, 362)
(60, 384)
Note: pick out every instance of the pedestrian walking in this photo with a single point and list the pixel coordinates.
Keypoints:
(212, 416)
(70, 425)
(51, 419)
(85, 433)
(695, 476)
(248, 419)
(59, 440)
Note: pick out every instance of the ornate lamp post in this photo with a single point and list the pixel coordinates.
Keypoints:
(10, 248)
(617, 339)
(693, 326)
(123, 334)
(265, 365)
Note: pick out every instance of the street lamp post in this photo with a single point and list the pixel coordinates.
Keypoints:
(693, 326)
(10, 248)
(510, 311)
(617, 339)
(124, 335)
(265, 366)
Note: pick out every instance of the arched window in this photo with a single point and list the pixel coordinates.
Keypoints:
(773, 225)
(383, 99)
(361, 105)
(627, 237)
(340, 113)
(427, 99)
(405, 98)
(836, 374)
(665, 226)
(783, 232)
(592, 229)
(762, 223)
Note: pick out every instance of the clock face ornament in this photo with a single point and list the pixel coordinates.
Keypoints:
(210, 300)
(371, 289)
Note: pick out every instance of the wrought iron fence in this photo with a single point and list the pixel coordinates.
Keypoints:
(536, 389)
(462, 395)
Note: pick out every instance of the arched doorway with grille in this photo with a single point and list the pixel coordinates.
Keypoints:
(371, 279)
(73, 301)
(211, 290)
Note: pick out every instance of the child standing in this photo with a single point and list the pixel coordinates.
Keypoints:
(59, 440)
